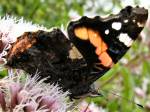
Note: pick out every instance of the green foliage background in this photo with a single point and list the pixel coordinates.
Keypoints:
(124, 78)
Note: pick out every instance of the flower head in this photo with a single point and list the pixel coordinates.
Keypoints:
(31, 95)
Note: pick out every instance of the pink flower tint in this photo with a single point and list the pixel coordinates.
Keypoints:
(140, 92)
(147, 106)
(31, 95)
(85, 107)
(148, 23)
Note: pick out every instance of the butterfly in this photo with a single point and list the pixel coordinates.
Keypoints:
(93, 46)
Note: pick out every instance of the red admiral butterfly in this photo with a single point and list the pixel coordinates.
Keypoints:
(94, 46)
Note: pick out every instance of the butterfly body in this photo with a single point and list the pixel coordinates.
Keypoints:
(100, 42)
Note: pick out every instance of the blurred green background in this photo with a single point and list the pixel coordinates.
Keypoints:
(130, 78)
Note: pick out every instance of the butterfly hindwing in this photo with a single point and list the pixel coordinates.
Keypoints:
(39, 51)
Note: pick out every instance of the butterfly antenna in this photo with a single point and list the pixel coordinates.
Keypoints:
(129, 100)
(86, 109)
(124, 98)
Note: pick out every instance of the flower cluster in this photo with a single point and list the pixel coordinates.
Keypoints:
(19, 94)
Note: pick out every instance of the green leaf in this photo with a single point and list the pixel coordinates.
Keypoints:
(3, 73)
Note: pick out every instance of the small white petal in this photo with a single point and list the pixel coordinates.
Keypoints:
(3, 61)
(4, 53)
(8, 47)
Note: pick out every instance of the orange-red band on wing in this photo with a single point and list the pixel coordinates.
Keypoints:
(105, 59)
(96, 40)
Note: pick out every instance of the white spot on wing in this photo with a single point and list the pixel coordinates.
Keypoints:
(126, 21)
(116, 25)
(107, 32)
(134, 20)
(124, 38)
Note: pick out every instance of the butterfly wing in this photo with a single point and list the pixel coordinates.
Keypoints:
(103, 41)
(39, 51)
(96, 44)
